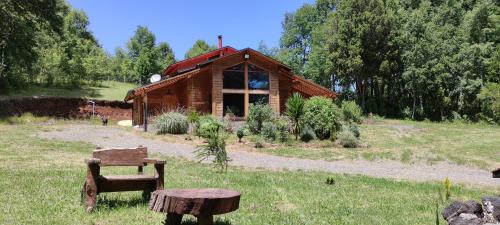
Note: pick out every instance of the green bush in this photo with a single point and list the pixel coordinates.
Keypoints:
(258, 142)
(307, 134)
(171, 123)
(283, 126)
(322, 115)
(407, 114)
(269, 131)
(206, 124)
(354, 129)
(490, 102)
(347, 139)
(351, 111)
(193, 116)
(258, 114)
(240, 134)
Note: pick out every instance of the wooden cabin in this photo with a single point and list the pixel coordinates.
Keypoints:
(219, 82)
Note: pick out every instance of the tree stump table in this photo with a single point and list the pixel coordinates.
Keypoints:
(201, 203)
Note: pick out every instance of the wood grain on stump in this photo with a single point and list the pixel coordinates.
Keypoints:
(201, 203)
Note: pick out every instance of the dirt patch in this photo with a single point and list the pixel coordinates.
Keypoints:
(65, 108)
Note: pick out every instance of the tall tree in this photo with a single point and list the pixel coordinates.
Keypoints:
(198, 48)
(143, 54)
(166, 55)
(20, 21)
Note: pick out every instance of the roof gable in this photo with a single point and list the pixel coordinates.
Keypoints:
(191, 63)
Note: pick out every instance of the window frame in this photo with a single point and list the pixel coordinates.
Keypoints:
(246, 91)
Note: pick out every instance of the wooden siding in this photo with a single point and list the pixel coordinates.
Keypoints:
(199, 92)
(219, 66)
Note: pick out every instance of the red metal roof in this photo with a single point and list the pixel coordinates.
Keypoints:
(192, 62)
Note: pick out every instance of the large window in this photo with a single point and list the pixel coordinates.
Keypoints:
(258, 79)
(234, 103)
(258, 98)
(244, 84)
(234, 77)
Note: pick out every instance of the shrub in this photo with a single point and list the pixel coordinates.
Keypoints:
(351, 111)
(406, 113)
(347, 139)
(295, 111)
(354, 129)
(193, 116)
(215, 146)
(269, 131)
(240, 134)
(322, 115)
(283, 126)
(206, 124)
(307, 134)
(171, 123)
(258, 114)
(490, 102)
(258, 142)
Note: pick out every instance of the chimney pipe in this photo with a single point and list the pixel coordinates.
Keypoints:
(220, 41)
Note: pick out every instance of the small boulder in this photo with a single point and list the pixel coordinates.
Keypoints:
(465, 219)
(458, 207)
(492, 207)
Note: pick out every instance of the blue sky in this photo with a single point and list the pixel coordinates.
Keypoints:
(180, 23)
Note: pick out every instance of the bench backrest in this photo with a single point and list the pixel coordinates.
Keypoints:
(121, 156)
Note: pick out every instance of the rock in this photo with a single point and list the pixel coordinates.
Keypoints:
(467, 219)
(458, 207)
(491, 206)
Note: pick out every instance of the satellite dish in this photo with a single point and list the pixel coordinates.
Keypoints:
(155, 78)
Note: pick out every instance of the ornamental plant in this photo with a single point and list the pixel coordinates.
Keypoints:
(295, 111)
(171, 123)
(258, 113)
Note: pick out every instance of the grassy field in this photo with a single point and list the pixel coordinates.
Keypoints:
(40, 183)
(108, 90)
(408, 141)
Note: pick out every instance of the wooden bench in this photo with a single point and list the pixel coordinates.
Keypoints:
(496, 173)
(96, 183)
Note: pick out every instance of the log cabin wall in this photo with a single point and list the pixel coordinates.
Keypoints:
(167, 98)
(232, 60)
(285, 90)
(199, 92)
(137, 115)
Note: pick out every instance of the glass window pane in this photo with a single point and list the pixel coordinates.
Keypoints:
(234, 103)
(258, 79)
(234, 77)
(258, 98)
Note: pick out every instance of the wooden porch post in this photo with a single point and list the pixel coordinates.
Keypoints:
(145, 112)
(247, 96)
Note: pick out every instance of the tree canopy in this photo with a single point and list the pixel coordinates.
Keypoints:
(414, 59)
(198, 48)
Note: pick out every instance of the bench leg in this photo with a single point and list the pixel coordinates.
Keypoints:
(90, 197)
(173, 219)
(90, 187)
(206, 220)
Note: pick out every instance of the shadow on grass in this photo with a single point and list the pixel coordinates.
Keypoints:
(106, 203)
(216, 222)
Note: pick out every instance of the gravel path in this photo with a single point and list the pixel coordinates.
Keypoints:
(116, 137)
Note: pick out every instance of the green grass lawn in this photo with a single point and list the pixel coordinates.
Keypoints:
(108, 90)
(40, 183)
(408, 141)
